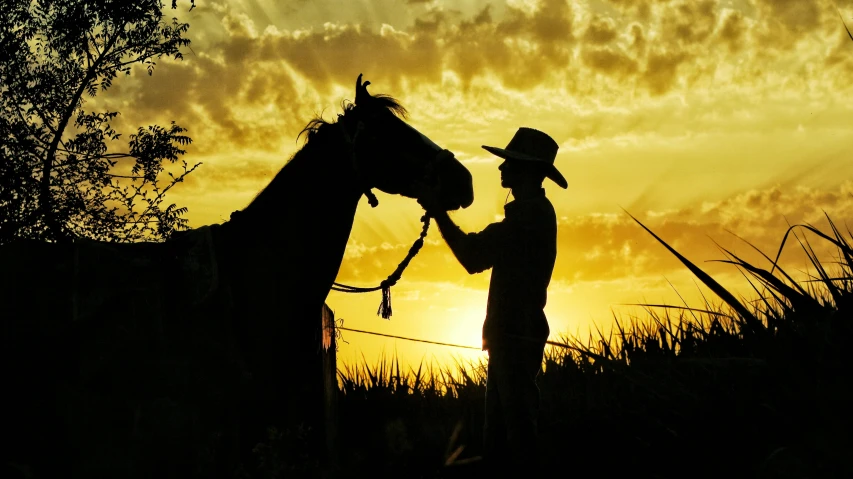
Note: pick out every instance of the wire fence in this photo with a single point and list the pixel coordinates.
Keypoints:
(461, 346)
(408, 339)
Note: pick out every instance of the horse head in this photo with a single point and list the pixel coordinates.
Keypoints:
(393, 157)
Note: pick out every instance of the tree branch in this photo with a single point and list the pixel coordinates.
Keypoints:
(41, 116)
(50, 156)
(177, 180)
(94, 42)
(45, 145)
(139, 59)
(131, 177)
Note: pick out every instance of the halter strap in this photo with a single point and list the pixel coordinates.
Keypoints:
(366, 189)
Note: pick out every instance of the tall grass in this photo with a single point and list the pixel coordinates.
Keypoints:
(731, 389)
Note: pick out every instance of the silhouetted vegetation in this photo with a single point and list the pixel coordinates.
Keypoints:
(64, 171)
(727, 390)
(171, 359)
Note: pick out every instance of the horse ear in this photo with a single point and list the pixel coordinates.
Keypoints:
(361, 93)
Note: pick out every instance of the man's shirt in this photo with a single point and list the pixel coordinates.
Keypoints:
(521, 250)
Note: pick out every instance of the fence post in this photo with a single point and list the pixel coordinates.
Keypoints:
(330, 386)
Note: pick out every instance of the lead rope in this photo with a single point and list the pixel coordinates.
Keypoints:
(385, 306)
(391, 280)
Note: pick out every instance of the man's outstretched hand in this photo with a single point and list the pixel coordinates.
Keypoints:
(429, 196)
(430, 199)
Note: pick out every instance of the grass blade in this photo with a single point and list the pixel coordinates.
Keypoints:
(669, 306)
(845, 26)
(710, 282)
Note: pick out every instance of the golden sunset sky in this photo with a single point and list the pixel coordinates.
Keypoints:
(694, 116)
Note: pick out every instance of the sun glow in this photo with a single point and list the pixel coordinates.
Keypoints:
(697, 120)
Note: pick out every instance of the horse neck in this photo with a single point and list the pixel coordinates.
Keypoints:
(300, 223)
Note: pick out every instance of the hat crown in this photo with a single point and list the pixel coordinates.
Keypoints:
(535, 144)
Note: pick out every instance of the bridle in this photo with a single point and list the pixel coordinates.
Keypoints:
(386, 284)
(365, 187)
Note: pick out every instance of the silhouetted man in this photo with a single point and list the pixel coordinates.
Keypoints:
(521, 250)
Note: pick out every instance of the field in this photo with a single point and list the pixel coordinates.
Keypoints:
(725, 390)
(731, 388)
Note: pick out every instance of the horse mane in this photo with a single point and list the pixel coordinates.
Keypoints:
(381, 101)
(316, 128)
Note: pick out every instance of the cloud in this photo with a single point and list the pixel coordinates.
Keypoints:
(601, 30)
(840, 59)
(238, 174)
(522, 49)
(733, 30)
(607, 247)
(251, 82)
(689, 22)
(796, 16)
(661, 72)
(608, 84)
(610, 61)
(612, 247)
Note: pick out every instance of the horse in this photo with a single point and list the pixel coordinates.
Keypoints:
(172, 358)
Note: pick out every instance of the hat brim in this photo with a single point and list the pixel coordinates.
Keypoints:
(552, 173)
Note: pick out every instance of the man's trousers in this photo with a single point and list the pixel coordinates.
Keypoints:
(512, 406)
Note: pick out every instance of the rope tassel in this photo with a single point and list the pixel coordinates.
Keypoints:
(385, 306)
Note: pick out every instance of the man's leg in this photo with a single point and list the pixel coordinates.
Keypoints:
(520, 402)
(494, 429)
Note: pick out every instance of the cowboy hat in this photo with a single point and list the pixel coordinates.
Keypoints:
(535, 146)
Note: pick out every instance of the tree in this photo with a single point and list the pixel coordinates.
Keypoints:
(59, 180)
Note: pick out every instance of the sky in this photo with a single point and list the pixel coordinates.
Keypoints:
(701, 118)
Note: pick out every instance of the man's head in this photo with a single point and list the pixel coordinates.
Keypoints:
(516, 174)
(528, 159)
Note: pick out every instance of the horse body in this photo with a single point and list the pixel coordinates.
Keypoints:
(292, 253)
(166, 349)
(169, 359)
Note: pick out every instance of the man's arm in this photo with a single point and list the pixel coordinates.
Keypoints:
(476, 252)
